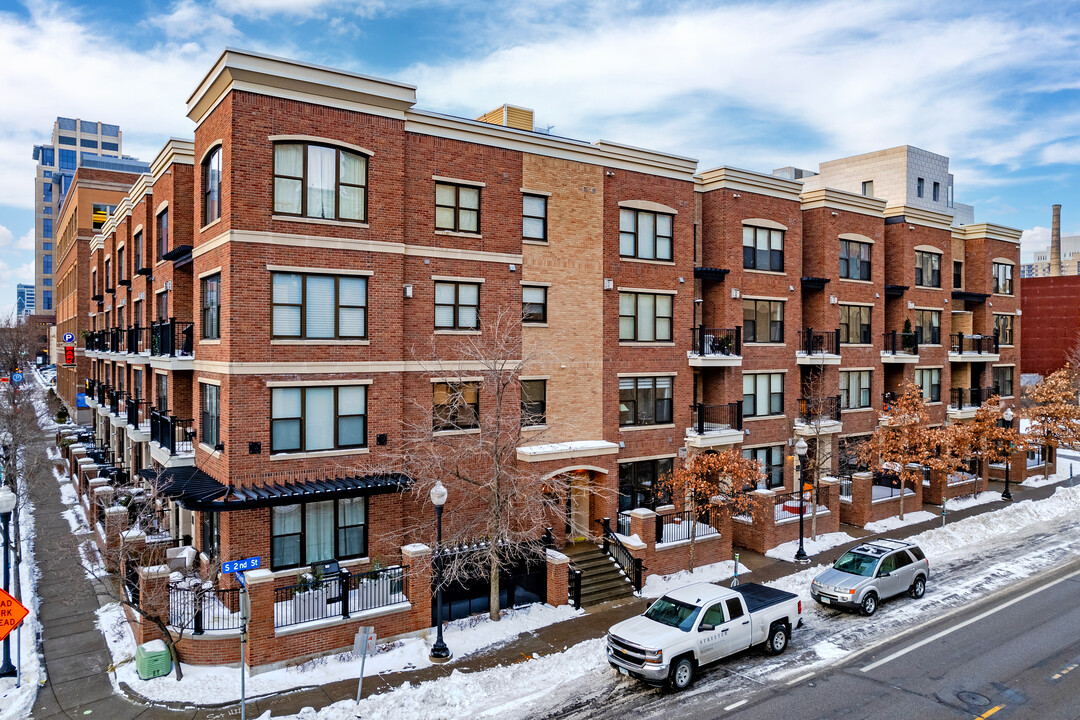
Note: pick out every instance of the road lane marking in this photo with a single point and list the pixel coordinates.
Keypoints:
(989, 712)
(1066, 671)
(970, 621)
(799, 679)
(732, 706)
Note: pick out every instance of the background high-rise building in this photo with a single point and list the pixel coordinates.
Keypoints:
(24, 300)
(75, 143)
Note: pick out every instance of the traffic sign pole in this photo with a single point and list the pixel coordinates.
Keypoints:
(239, 567)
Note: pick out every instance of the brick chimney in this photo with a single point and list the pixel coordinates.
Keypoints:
(1055, 243)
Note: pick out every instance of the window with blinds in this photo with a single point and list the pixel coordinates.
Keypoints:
(317, 307)
(645, 401)
(457, 306)
(320, 181)
(645, 317)
(313, 532)
(310, 419)
(763, 394)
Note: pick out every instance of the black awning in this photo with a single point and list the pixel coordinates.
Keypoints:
(196, 490)
(177, 252)
(711, 273)
(895, 290)
(814, 283)
(969, 296)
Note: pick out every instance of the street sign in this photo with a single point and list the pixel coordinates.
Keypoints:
(232, 566)
(69, 337)
(69, 355)
(12, 613)
(16, 377)
(363, 643)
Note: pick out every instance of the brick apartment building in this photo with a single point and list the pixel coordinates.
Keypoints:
(264, 303)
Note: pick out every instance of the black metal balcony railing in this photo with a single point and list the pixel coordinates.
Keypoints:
(716, 418)
(137, 411)
(91, 388)
(819, 409)
(900, 343)
(97, 341)
(116, 339)
(960, 398)
(115, 398)
(138, 339)
(171, 338)
(176, 436)
(973, 344)
(717, 341)
(813, 342)
(102, 393)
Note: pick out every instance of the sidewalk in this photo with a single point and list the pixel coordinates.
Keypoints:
(76, 655)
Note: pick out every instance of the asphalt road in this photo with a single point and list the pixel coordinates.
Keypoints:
(1018, 660)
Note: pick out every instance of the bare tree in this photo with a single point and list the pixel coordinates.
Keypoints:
(469, 438)
(1053, 413)
(817, 407)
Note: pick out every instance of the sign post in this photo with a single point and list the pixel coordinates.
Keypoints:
(238, 567)
(365, 640)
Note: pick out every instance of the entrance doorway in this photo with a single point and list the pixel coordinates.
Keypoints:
(577, 506)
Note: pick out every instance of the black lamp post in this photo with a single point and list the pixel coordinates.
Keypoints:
(439, 652)
(7, 504)
(800, 450)
(1007, 416)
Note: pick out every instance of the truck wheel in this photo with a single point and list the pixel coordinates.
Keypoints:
(918, 588)
(778, 639)
(682, 672)
(869, 604)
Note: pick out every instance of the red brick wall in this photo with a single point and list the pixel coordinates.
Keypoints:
(1051, 322)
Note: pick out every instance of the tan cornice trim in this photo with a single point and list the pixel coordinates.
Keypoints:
(319, 140)
(856, 237)
(834, 199)
(918, 216)
(648, 206)
(174, 152)
(729, 178)
(316, 368)
(764, 223)
(988, 231)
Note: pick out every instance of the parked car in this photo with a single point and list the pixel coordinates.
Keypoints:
(700, 624)
(871, 572)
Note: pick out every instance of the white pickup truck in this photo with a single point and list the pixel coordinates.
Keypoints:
(700, 624)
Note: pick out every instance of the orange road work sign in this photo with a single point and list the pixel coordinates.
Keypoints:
(12, 613)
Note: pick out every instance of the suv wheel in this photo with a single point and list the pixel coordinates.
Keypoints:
(682, 672)
(869, 604)
(918, 588)
(778, 639)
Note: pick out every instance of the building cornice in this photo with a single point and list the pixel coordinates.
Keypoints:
(918, 216)
(989, 231)
(174, 152)
(729, 178)
(834, 199)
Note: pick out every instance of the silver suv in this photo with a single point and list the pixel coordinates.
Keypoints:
(872, 572)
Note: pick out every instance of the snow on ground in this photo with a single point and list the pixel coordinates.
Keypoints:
(812, 547)
(962, 503)
(68, 496)
(657, 585)
(892, 523)
(221, 684)
(1063, 468)
(76, 518)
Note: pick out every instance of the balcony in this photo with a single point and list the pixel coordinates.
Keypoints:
(973, 348)
(818, 348)
(138, 419)
(900, 347)
(137, 343)
(91, 393)
(818, 416)
(963, 402)
(172, 441)
(96, 342)
(171, 344)
(114, 339)
(715, 347)
(715, 425)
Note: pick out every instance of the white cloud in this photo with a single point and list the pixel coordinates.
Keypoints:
(8, 241)
(189, 19)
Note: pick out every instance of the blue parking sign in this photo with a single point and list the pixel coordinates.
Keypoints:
(69, 337)
(16, 377)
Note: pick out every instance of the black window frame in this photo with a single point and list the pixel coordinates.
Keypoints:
(934, 394)
(861, 332)
(339, 527)
(750, 326)
(211, 191)
(533, 312)
(533, 411)
(958, 274)
(661, 411)
(1004, 327)
(338, 184)
(448, 421)
(936, 191)
(210, 297)
(302, 334)
(656, 317)
(209, 414)
(137, 250)
(1003, 278)
(458, 209)
(542, 218)
(1003, 389)
(774, 470)
(457, 305)
(756, 377)
(635, 234)
(301, 419)
(920, 187)
(210, 530)
(935, 329)
(932, 260)
(852, 265)
(864, 391)
(645, 486)
(750, 252)
(161, 229)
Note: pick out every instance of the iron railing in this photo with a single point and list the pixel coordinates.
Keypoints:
(91, 387)
(573, 587)
(136, 411)
(721, 342)
(176, 436)
(813, 342)
(632, 567)
(96, 341)
(115, 397)
(673, 527)
(969, 397)
(138, 339)
(102, 393)
(323, 598)
(815, 409)
(973, 344)
(716, 418)
(786, 506)
(203, 608)
(900, 343)
(116, 339)
(171, 338)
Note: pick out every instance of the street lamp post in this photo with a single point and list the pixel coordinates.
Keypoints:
(439, 652)
(800, 450)
(7, 504)
(1007, 416)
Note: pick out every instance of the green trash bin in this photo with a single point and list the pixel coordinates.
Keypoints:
(152, 660)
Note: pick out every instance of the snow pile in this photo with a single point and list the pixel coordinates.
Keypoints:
(657, 585)
(787, 550)
(961, 503)
(222, 684)
(892, 523)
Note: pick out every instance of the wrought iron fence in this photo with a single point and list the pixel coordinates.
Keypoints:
(339, 595)
(973, 344)
(618, 552)
(171, 338)
(814, 409)
(969, 397)
(716, 418)
(673, 527)
(717, 341)
(573, 587)
(203, 608)
(787, 506)
(900, 343)
(813, 342)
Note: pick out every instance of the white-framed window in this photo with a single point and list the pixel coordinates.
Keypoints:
(645, 401)
(534, 217)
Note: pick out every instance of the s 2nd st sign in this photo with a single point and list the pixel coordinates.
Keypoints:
(232, 566)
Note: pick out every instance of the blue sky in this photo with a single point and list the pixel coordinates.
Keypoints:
(993, 85)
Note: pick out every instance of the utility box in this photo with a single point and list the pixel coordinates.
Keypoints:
(152, 660)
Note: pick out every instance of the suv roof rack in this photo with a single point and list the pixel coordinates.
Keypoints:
(890, 543)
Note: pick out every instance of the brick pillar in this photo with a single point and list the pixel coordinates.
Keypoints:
(261, 640)
(831, 490)
(153, 599)
(557, 581)
(116, 523)
(643, 524)
(763, 534)
(417, 558)
(862, 498)
(85, 470)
